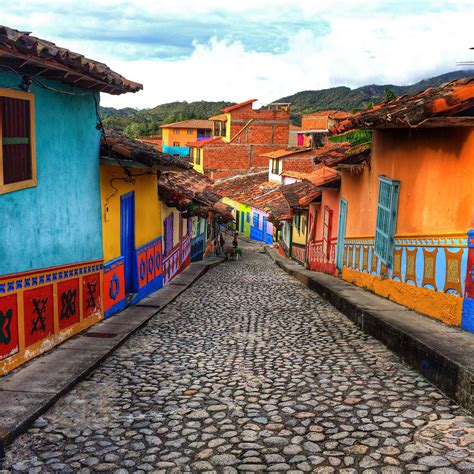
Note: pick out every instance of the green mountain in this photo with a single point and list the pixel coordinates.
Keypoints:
(344, 98)
(146, 122)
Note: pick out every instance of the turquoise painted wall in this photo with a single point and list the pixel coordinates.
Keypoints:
(59, 221)
(176, 150)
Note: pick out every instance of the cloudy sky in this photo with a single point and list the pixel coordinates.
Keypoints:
(266, 49)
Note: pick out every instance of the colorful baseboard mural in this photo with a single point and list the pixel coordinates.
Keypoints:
(428, 273)
(148, 277)
(42, 308)
(321, 256)
(149, 269)
(298, 252)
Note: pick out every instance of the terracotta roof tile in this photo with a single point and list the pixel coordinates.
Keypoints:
(30, 55)
(244, 188)
(201, 143)
(320, 177)
(124, 148)
(237, 106)
(413, 110)
(285, 152)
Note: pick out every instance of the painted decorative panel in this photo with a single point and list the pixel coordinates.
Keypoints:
(318, 260)
(114, 283)
(41, 308)
(39, 314)
(8, 326)
(171, 264)
(68, 303)
(158, 258)
(437, 263)
(91, 301)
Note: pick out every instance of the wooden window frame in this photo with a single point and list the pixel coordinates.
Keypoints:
(276, 164)
(189, 131)
(382, 239)
(29, 183)
(176, 131)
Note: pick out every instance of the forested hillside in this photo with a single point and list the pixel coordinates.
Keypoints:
(146, 122)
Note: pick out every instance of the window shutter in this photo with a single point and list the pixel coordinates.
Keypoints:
(16, 146)
(386, 219)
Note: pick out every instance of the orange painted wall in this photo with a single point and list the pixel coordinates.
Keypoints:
(169, 137)
(436, 172)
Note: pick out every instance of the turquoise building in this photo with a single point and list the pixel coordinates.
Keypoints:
(51, 257)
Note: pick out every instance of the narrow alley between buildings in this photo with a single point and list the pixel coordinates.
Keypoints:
(248, 370)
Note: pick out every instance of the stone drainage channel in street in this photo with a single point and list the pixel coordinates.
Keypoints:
(248, 370)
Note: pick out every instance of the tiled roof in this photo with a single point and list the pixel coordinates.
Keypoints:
(220, 117)
(295, 191)
(320, 177)
(190, 191)
(122, 148)
(193, 123)
(280, 201)
(414, 110)
(201, 143)
(275, 204)
(244, 188)
(237, 106)
(331, 153)
(285, 152)
(34, 56)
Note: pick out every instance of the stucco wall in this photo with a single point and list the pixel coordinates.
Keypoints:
(436, 173)
(148, 225)
(330, 198)
(59, 221)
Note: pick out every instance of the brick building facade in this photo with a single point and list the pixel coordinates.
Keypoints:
(241, 135)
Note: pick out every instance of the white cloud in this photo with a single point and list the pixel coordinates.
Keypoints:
(383, 49)
(323, 44)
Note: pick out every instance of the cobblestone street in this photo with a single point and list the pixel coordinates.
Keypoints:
(248, 370)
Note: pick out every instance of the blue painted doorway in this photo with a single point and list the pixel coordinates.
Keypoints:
(127, 238)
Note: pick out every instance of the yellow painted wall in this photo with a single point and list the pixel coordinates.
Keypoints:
(147, 208)
(198, 167)
(438, 305)
(300, 237)
(169, 137)
(436, 174)
(227, 130)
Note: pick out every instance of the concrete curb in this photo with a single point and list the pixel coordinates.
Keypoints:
(441, 353)
(30, 390)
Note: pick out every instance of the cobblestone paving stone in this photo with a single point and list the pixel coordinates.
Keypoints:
(248, 370)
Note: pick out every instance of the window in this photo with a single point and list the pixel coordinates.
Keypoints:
(17, 141)
(386, 219)
(190, 131)
(176, 131)
(297, 222)
(247, 217)
(198, 156)
(175, 143)
(275, 166)
(256, 220)
(219, 128)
